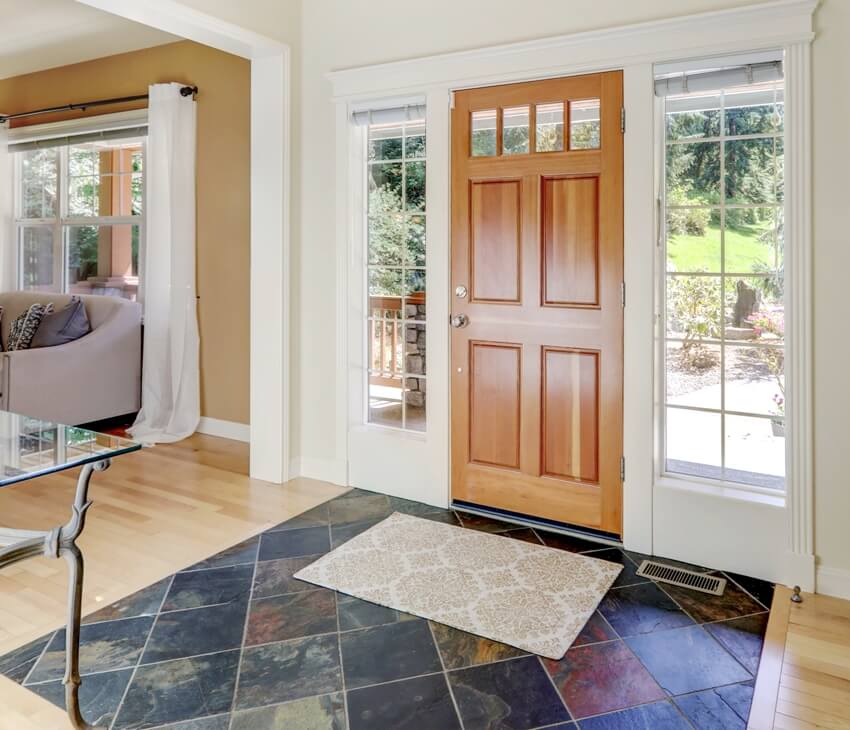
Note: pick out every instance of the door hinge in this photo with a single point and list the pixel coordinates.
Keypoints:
(623, 119)
(623, 293)
(622, 468)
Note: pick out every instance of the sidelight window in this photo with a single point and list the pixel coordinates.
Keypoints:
(396, 275)
(723, 289)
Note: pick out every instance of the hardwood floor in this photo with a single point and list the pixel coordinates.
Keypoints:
(804, 677)
(155, 512)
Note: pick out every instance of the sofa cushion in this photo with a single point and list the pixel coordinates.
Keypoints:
(26, 325)
(68, 324)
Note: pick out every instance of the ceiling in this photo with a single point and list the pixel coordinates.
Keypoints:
(40, 34)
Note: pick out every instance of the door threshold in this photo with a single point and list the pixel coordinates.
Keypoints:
(559, 528)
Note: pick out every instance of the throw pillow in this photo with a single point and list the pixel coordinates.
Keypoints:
(68, 324)
(25, 326)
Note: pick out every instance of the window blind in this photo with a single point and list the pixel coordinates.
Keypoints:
(389, 115)
(720, 78)
(81, 138)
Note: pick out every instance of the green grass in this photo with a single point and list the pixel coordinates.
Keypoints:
(744, 251)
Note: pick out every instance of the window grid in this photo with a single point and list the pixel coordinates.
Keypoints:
(777, 206)
(62, 222)
(402, 322)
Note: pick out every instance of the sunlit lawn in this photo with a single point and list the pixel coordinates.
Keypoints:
(744, 251)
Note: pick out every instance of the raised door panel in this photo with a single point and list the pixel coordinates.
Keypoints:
(495, 398)
(570, 216)
(570, 414)
(495, 234)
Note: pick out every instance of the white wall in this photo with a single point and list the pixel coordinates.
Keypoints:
(338, 34)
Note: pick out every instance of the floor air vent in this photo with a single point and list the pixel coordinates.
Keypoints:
(681, 577)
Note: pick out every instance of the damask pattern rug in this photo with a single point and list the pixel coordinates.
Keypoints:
(528, 596)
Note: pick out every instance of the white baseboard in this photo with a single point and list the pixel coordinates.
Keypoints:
(325, 470)
(833, 581)
(225, 429)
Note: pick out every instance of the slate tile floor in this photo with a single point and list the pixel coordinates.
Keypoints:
(236, 643)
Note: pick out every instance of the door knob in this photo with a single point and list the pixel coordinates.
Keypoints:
(459, 320)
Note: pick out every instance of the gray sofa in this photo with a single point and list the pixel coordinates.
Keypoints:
(93, 378)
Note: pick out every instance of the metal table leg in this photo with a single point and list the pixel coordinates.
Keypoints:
(61, 542)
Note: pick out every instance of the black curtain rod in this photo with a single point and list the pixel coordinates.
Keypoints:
(185, 91)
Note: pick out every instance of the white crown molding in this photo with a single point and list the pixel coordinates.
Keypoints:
(193, 25)
(749, 28)
(225, 429)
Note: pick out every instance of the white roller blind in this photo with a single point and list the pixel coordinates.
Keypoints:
(77, 131)
(389, 115)
(719, 78)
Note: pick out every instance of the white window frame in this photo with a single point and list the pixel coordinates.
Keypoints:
(368, 320)
(62, 221)
(648, 504)
(721, 487)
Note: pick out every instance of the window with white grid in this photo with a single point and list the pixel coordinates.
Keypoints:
(724, 338)
(396, 286)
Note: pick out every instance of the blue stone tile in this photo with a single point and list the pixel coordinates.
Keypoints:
(16, 664)
(289, 670)
(567, 542)
(326, 712)
(739, 697)
(422, 703)
(145, 602)
(641, 609)
(357, 614)
(385, 653)
(516, 693)
(359, 508)
(743, 637)
(294, 543)
(445, 516)
(709, 711)
(103, 647)
(687, 660)
(218, 722)
(657, 716)
(180, 690)
(485, 524)
(207, 587)
(196, 631)
(274, 577)
(316, 517)
(100, 695)
(344, 532)
(408, 507)
(291, 616)
(239, 554)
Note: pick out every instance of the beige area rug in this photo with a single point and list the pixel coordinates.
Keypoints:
(529, 596)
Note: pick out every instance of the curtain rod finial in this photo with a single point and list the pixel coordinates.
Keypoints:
(188, 91)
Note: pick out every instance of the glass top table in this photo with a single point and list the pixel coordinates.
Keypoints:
(32, 448)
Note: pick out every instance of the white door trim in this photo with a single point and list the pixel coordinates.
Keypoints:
(635, 48)
(270, 219)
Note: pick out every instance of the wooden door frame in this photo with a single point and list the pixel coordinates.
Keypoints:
(634, 49)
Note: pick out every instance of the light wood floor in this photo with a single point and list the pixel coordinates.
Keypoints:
(804, 676)
(155, 512)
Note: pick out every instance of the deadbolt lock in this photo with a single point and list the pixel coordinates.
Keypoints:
(460, 292)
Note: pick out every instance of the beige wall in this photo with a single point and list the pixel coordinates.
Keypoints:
(223, 192)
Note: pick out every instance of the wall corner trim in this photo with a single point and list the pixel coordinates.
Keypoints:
(324, 470)
(225, 429)
(833, 581)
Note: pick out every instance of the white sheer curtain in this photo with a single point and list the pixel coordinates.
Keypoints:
(7, 243)
(170, 372)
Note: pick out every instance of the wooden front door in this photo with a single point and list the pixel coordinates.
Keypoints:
(537, 271)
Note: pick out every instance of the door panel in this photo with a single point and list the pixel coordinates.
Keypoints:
(570, 214)
(570, 414)
(537, 240)
(495, 263)
(495, 404)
